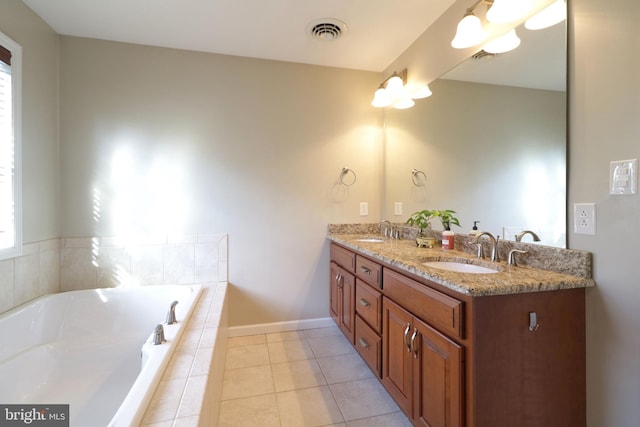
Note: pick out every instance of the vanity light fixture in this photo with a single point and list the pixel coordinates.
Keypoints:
(503, 44)
(551, 15)
(395, 92)
(505, 11)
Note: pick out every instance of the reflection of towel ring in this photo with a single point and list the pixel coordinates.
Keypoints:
(415, 177)
(345, 172)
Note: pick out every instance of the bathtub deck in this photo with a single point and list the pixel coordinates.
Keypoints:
(190, 389)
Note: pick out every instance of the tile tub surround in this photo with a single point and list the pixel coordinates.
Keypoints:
(405, 256)
(310, 377)
(104, 262)
(190, 390)
(34, 273)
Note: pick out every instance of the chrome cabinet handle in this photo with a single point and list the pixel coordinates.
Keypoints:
(339, 279)
(365, 269)
(533, 321)
(413, 339)
(364, 302)
(406, 334)
(364, 344)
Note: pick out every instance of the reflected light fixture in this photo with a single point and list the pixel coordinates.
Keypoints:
(551, 15)
(394, 92)
(505, 11)
(503, 44)
(469, 32)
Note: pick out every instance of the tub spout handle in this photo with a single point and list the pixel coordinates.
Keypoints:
(171, 315)
(158, 335)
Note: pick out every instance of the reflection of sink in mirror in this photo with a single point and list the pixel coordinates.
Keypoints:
(459, 267)
(370, 240)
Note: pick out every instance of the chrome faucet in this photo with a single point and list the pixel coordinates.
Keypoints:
(386, 228)
(171, 315)
(520, 235)
(158, 335)
(494, 244)
(511, 259)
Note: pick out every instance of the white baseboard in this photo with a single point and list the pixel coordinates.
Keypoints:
(268, 328)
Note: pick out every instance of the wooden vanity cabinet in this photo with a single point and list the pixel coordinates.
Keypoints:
(454, 360)
(342, 292)
(422, 369)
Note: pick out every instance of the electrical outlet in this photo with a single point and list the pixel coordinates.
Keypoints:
(584, 218)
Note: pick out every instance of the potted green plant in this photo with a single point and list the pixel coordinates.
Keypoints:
(422, 221)
(447, 219)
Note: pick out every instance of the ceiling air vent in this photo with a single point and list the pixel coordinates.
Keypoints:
(327, 29)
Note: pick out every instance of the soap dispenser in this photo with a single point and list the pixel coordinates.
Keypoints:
(474, 230)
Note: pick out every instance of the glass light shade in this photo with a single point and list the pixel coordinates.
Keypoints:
(422, 92)
(404, 103)
(394, 86)
(551, 15)
(503, 44)
(505, 11)
(469, 33)
(381, 98)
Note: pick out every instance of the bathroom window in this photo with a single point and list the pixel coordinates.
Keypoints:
(10, 148)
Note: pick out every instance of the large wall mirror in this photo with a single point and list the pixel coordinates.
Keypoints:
(490, 143)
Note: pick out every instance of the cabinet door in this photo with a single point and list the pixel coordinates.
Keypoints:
(348, 307)
(396, 355)
(437, 387)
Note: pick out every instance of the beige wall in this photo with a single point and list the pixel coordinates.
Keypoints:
(166, 142)
(605, 106)
(39, 118)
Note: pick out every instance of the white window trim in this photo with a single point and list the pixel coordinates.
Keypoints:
(16, 80)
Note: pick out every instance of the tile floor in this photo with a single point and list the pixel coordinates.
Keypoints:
(311, 378)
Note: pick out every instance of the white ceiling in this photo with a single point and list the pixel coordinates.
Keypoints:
(378, 31)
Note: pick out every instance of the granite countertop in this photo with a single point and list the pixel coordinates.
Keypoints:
(405, 256)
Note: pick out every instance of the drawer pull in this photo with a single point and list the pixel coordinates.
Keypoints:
(364, 344)
(406, 335)
(413, 347)
(364, 302)
(365, 269)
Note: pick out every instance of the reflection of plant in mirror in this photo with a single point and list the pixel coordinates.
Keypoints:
(422, 219)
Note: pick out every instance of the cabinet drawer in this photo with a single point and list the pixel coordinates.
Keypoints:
(344, 258)
(369, 305)
(437, 309)
(369, 271)
(369, 345)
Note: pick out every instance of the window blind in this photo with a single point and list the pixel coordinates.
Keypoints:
(7, 211)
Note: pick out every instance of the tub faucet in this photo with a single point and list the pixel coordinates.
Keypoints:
(171, 315)
(158, 335)
(494, 244)
(519, 236)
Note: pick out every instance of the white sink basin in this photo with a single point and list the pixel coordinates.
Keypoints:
(371, 240)
(459, 267)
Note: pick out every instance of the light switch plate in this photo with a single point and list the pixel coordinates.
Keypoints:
(623, 177)
(397, 208)
(364, 208)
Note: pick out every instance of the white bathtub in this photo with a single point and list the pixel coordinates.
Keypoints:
(87, 348)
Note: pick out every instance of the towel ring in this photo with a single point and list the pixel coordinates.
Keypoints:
(349, 181)
(415, 178)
